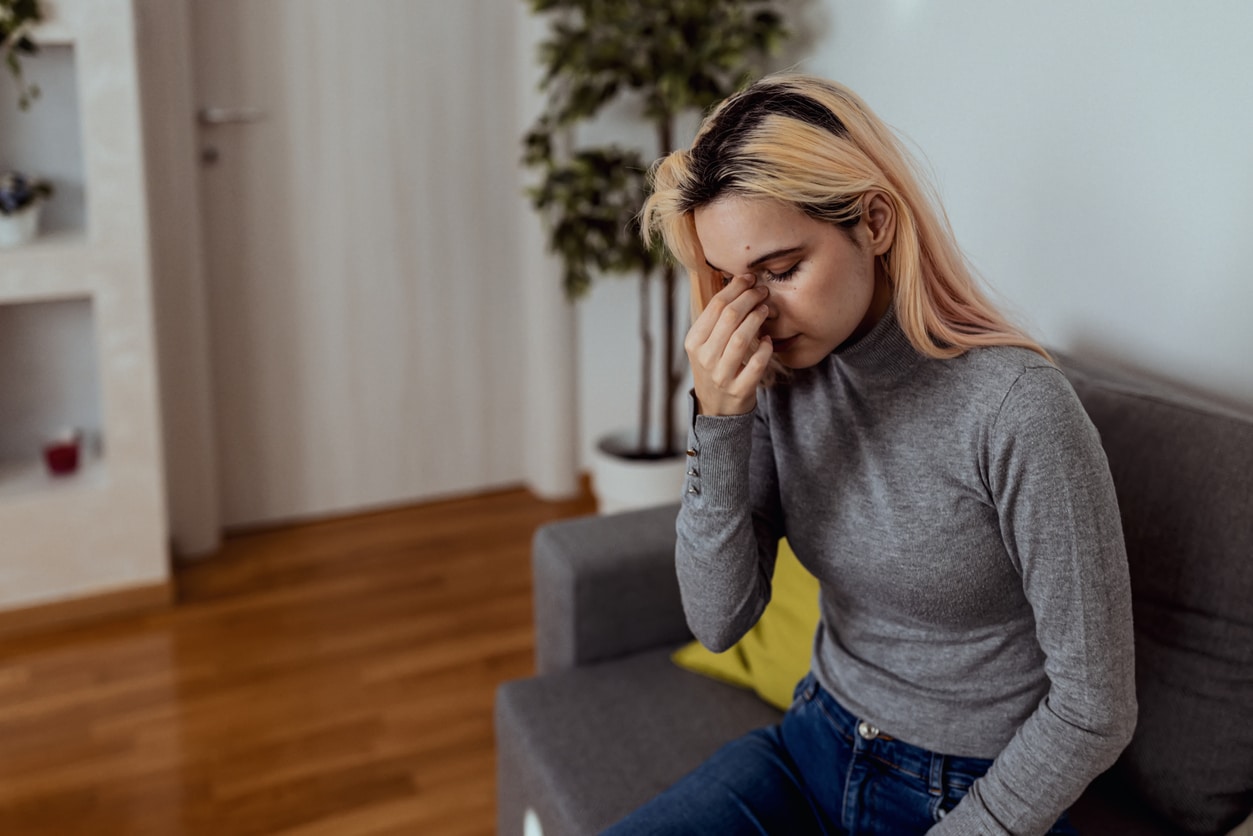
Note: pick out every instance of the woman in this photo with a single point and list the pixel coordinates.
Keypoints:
(855, 392)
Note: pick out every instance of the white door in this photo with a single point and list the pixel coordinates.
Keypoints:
(359, 192)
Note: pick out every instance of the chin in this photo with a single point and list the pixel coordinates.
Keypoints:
(795, 361)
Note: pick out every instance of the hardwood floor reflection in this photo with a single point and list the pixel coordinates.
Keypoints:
(329, 678)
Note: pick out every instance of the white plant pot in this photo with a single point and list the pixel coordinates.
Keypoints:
(21, 227)
(623, 484)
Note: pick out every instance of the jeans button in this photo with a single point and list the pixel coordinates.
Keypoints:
(867, 731)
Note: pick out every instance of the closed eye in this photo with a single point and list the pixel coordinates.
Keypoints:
(782, 276)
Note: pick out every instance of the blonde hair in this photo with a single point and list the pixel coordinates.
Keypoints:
(814, 144)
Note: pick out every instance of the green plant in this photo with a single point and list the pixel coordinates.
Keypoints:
(17, 18)
(17, 192)
(667, 58)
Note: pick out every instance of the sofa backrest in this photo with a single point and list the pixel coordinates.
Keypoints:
(1183, 471)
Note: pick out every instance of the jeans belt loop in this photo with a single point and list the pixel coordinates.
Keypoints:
(935, 779)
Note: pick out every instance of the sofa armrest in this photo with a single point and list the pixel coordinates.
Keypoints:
(605, 586)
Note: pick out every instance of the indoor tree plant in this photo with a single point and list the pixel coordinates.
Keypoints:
(667, 59)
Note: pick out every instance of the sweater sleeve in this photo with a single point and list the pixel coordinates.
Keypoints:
(728, 526)
(1059, 517)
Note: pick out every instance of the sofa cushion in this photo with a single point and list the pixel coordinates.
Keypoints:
(586, 746)
(1184, 477)
(593, 575)
(773, 656)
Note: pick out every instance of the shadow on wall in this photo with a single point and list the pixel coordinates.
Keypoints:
(1091, 348)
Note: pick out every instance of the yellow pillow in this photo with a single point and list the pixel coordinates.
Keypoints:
(774, 655)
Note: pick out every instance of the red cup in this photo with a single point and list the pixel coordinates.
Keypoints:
(61, 454)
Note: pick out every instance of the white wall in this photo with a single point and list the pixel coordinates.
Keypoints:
(1095, 159)
(171, 146)
(551, 454)
(103, 529)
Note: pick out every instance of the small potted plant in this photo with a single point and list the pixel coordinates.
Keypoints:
(21, 199)
(21, 196)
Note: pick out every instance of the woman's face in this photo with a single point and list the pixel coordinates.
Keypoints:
(821, 278)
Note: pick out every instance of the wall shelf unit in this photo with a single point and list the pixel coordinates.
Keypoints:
(50, 381)
(54, 266)
(76, 323)
(22, 481)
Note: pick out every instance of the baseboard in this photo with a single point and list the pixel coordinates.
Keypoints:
(77, 611)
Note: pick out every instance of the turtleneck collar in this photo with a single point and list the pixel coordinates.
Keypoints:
(883, 355)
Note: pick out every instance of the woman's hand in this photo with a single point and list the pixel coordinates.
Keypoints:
(727, 358)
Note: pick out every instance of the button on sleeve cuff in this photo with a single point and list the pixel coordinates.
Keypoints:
(718, 451)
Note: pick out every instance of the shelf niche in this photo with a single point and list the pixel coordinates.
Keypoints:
(46, 140)
(49, 378)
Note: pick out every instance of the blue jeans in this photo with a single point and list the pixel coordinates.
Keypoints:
(816, 772)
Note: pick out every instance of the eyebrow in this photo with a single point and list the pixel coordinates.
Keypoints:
(760, 260)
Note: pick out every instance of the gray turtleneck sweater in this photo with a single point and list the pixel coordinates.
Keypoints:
(961, 519)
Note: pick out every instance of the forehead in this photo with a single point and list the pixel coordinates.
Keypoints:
(744, 219)
(735, 230)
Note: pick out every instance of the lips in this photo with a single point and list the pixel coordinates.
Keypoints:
(783, 344)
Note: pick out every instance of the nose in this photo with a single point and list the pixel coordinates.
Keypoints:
(770, 300)
(772, 303)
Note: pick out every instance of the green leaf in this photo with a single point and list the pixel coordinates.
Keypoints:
(19, 16)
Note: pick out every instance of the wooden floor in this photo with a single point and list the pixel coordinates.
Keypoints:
(332, 678)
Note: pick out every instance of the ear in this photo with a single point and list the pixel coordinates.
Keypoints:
(879, 214)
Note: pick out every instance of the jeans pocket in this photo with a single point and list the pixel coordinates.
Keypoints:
(951, 798)
(957, 784)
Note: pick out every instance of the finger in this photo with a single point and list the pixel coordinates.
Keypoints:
(740, 394)
(746, 339)
(732, 340)
(708, 319)
(732, 318)
(735, 285)
(755, 369)
(741, 345)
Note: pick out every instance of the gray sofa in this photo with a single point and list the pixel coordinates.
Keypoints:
(609, 721)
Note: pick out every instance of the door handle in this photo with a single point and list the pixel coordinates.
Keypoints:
(229, 115)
